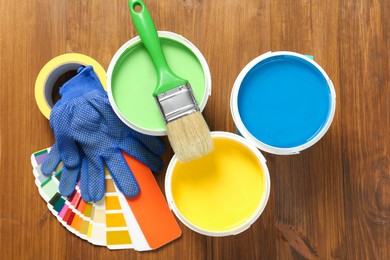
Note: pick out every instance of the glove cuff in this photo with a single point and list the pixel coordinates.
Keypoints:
(85, 81)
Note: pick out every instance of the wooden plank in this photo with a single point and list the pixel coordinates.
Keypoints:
(309, 186)
(32, 33)
(330, 202)
(237, 32)
(365, 71)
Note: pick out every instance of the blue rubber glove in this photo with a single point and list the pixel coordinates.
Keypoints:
(89, 134)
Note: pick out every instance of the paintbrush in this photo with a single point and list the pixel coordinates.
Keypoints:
(187, 130)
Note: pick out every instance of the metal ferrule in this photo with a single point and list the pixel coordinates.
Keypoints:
(177, 102)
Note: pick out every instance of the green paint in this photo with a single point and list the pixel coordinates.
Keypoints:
(54, 199)
(49, 187)
(59, 204)
(134, 80)
(40, 152)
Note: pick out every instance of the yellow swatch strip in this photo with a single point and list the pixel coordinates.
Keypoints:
(118, 236)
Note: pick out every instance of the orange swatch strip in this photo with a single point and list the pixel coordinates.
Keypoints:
(150, 207)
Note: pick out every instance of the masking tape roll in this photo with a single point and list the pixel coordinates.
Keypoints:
(56, 67)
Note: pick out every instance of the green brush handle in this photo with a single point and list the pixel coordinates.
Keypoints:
(166, 78)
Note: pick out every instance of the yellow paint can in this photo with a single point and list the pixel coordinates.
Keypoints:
(222, 193)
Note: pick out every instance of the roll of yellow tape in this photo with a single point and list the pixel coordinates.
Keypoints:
(56, 67)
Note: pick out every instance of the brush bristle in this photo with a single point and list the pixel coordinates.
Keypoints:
(190, 137)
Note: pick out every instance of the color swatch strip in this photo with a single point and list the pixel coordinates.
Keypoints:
(118, 235)
(72, 212)
(116, 221)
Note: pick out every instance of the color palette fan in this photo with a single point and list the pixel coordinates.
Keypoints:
(141, 223)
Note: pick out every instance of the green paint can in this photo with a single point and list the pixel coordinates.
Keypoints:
(131, 80)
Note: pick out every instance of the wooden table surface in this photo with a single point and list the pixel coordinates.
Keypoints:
(332, 201)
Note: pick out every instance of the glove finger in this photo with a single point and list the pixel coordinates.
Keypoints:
(51, 161)
(61, 118)
(153, 143)
(84, 180)
(134, 148)
(68, 180)
(122, 175)
(95, 179)
(69, 152)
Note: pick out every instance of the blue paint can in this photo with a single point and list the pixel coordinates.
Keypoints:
(283, 102)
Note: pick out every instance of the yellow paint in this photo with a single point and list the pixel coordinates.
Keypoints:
(119, 237)
(84, 227)
(110, 186)
(88, 210)
(106, 172)
(90, 227)
(112, 203)
(115, 220)
(222, 190)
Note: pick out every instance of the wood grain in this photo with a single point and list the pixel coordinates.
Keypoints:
(332, 201)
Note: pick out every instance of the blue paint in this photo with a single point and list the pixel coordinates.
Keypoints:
(284, 101)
